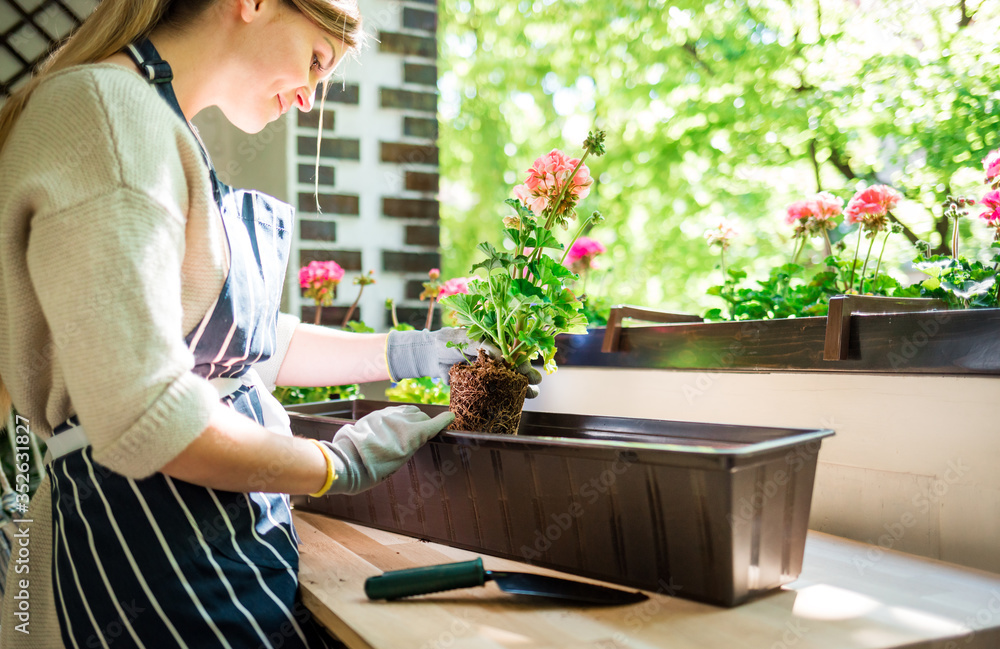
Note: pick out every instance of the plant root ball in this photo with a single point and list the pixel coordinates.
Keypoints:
(486, 396)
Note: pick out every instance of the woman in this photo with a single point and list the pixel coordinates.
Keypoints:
(142, 336)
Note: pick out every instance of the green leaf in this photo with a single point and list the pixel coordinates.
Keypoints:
(970, 288)
(357, 326)
(789, 269)
(494, 259)
(577, 325)
(936, 267)
(550, 361)
(545, 239)
(522, 211)
(526, 288)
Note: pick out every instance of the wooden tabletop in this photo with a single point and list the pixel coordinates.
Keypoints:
(848, 595)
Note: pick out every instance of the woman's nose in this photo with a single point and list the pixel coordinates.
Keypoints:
(304, 98)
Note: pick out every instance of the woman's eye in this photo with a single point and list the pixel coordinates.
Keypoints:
(315, 63)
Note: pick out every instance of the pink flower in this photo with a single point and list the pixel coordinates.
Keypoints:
(800, 210)
(722, 234)
(536, 203)
(821, 207)
(318, 273)
(991, 164)
(869, 206)
(828, 206)
(992, 203)
(434, 273)
(546, 180)
(454, 286)
(584, 251)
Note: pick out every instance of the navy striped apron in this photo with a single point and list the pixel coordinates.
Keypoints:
(160, 562)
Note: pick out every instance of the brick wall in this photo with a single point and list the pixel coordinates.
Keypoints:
(378, 207)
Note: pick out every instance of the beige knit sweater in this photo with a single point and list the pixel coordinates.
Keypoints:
(111, 251)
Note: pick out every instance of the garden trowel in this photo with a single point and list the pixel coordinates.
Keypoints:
(432, 579)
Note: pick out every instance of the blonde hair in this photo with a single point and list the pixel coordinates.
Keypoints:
(116, 23)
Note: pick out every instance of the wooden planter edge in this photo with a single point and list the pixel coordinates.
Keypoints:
(946, 342)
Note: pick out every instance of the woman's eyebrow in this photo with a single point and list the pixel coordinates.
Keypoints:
(333, 56)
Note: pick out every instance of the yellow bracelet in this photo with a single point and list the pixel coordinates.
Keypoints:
(330, 473)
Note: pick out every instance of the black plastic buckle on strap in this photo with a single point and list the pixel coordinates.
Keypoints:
(72, 422)
(158, 72)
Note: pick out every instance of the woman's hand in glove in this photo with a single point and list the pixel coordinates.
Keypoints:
(412, 354)
(369, 450)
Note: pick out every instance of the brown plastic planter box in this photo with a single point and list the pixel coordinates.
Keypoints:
(709, 512)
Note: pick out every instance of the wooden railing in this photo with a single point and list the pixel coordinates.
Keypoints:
(861, 334)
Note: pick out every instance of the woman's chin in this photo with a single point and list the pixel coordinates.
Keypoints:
(251, 124)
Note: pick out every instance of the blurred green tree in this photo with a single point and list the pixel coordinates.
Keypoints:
(717, 108)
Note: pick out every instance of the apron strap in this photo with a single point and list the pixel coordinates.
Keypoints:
(160, 75)
(70, 435)
(157, 71)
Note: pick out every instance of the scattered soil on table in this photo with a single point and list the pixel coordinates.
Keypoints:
(486, 396)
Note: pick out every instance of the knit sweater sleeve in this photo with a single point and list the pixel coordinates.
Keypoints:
(107, 272)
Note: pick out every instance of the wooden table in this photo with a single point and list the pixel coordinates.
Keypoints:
(849, 595)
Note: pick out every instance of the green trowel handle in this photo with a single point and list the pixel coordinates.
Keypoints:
(431, 579)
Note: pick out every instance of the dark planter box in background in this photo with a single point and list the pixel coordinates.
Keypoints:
(709, 512)
(953, 342)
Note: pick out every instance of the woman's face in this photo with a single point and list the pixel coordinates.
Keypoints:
(282, 58)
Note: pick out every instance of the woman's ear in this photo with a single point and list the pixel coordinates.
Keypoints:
(251, 10)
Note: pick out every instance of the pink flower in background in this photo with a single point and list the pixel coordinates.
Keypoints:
(318, 273)
(992, 203)
(320, 279)
(814, 216)
(546, 180)
(991, 164)
(583, 253)
(454, 286)
(799, 211)
(822, 207)
(828, 206)
(870, 206)
(722, 234)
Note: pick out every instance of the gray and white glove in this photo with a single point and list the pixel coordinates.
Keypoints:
(412, 354)
(371, 449)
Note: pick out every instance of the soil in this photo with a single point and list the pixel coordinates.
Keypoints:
(486, 396)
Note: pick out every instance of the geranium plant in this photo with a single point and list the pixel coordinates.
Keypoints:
(814, 216)
(789, 291)
(523, 300)
(870, 208)
(320, 280)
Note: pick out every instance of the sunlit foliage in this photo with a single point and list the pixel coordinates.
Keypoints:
(724, 108)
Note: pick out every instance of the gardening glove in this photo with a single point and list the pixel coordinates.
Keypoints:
(412, 354)
(371, 449)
